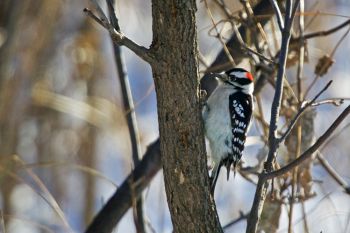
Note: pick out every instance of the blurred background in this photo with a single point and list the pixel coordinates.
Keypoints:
(64, 142)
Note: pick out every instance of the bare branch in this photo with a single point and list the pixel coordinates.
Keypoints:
(301, 111)
(334, 101)
(327, 32)
(121, 201)
(218, 35)
(261, 190)
(276, 104)
(336, 135)
(241, 217)
(118, 37)
(249, 50)
(94, 17)
(278, 14)
(308, 153)
(112, 16)
(325, 63)
(333, 173)
(100, 12)
(220, 63)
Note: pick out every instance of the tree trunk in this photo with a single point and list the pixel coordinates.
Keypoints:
(181, 129)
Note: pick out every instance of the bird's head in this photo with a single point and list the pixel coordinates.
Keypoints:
(238, 78)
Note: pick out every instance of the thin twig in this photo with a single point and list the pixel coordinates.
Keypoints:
(312, 8)
(263, 57)
(335, 135)
(306, 226)
(339, 42)
(249, 50)
(334, 101)
(327, 32)
(130, 116)
(262, 8)
(224, 8)
(309, 152)
(256, 25)
(333, 173)
(301, 111)
(94, 17)
(118, 37)
(330, 57)
(241, 217)
(218, 35)
(278, 14)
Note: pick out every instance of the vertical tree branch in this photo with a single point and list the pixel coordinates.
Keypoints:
(128, 105)
(261, 190)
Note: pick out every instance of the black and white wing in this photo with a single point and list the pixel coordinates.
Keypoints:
(241, 109)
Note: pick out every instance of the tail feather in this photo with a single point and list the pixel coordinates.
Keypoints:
(214, 177)
(216, 170)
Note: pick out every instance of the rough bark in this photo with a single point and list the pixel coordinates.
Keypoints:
(180, 125)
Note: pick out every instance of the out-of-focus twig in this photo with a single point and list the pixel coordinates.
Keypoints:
(300, 112)
(325, 63)
(326, 32)
(220, 62)
(218, 35)
(336, 135)
(44, 190)
(241, 217)
(2, 222)
(308, 153)
(249, 50)
(255, 27)
(306, 225)
(121, 201)
(333, 173)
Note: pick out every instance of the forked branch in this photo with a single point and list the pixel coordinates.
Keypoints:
(301, 111)
(261, 189)
(308, 153)
(117, 36)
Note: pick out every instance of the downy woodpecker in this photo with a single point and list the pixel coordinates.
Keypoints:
(227, 116)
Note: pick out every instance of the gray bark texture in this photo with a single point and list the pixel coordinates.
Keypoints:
(180, 126)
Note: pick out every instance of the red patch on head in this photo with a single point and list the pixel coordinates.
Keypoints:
(249, 76)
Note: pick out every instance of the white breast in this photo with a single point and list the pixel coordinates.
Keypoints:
(218, 123)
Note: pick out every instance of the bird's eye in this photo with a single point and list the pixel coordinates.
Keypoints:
(233, 78)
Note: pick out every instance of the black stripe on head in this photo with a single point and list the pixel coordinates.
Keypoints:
(242, 81)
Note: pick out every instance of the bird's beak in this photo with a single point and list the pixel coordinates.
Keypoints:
(222, 77)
